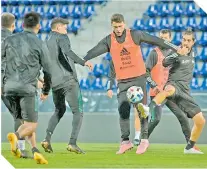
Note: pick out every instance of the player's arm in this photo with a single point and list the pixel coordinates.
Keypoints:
(46, 65)
(153, 40)
(170, 59)
(111, 79)
(64, 44)
(150, 63)
(101, 48)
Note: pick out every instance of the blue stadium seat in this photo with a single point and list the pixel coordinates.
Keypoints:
(201, 12)
(13, 2)
(177, 38)
(3, 9)
(194, 84)
(39, 35)
(97, 84)
(98, 70)
(84, 84)
(25, 10)
(203, 40)
(204, 84)
(191, 23)
(18, 27)
(138, 24)
(164, 24)
(4, 2)
(196, 70)
(164, 10)
(50, 2)
(62, 2)
(203, 24)
(52, 12)
(152, 10)
(178, 24)
(113, 87)
(89, 11)
(64, 11)
(40, 10)
(36, 2)
(108, 56)
(190, 9)
(76, 12)
(146, 54)
(75, 26)
(177, 10)
(15, 10)
(203, 70)
(88, 1)
(203, 55)
(24, 2)
(151, 25)
(41, 27)
(46, 28)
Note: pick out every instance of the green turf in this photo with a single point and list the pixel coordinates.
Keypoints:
(103, 156)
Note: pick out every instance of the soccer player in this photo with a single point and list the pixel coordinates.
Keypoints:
(64, 83)
(25, 54)
(178, 88)
(8, 26)
(124, 46)
(157, 78)
(111, 82)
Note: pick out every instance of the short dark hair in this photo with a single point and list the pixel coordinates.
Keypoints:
(7, 19)
(56, 21)
(31, 19)
(189, 31)
(164, 31)
(118, 18)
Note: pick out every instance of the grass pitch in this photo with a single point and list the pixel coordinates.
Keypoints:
(103, 156)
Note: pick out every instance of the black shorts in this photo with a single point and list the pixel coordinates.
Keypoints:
(24, 107)
(183, 99)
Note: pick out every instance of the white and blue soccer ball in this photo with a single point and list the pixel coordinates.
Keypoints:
(135, 94)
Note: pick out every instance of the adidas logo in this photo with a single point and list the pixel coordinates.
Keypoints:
(124, 51)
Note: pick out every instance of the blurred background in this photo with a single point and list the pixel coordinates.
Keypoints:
(89, 23)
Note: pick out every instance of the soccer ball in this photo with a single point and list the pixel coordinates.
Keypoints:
(135, 94)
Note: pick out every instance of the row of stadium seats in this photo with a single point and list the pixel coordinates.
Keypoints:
(177, 25)
(64, 11)
(178, 10)
(49, 2)
(97, 84)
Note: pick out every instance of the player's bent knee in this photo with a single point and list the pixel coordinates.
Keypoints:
(199, 119)
(169, 90)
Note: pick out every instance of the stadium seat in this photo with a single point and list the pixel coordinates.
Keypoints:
(196, 70)
(50, 2)
(203, 24)
(25, 10)
(164, 10)
(194, 84)
(15, 10)
(203, 70)
(201, 12)
(177, 10)
(88, 1)
(108, 56)
(177, 38)
(41, 27)
(164, 24)
(97, 84)
(204, 84)
(89, 11)
(18, 27)
(39, 35)
(151, 25)
(203, 55)
(24, 2)
(40, 10)
(46, 28)
(62, 2)
(76, 12)
(64, 11)
(203, 39)
(3, 9)
(13, 2)
(152, 10)
(51, 12)
(75, 26)
(178, 24)
(98, 70)
(191, 23)
(113, 87)
(190, 9)
(84, 84)
(138, 24)
(4, 2)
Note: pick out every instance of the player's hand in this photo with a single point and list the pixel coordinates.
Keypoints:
(43, 97)
(89, 64)
(110, 93)
(183, 50)
(156, 90)
(39, 84)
